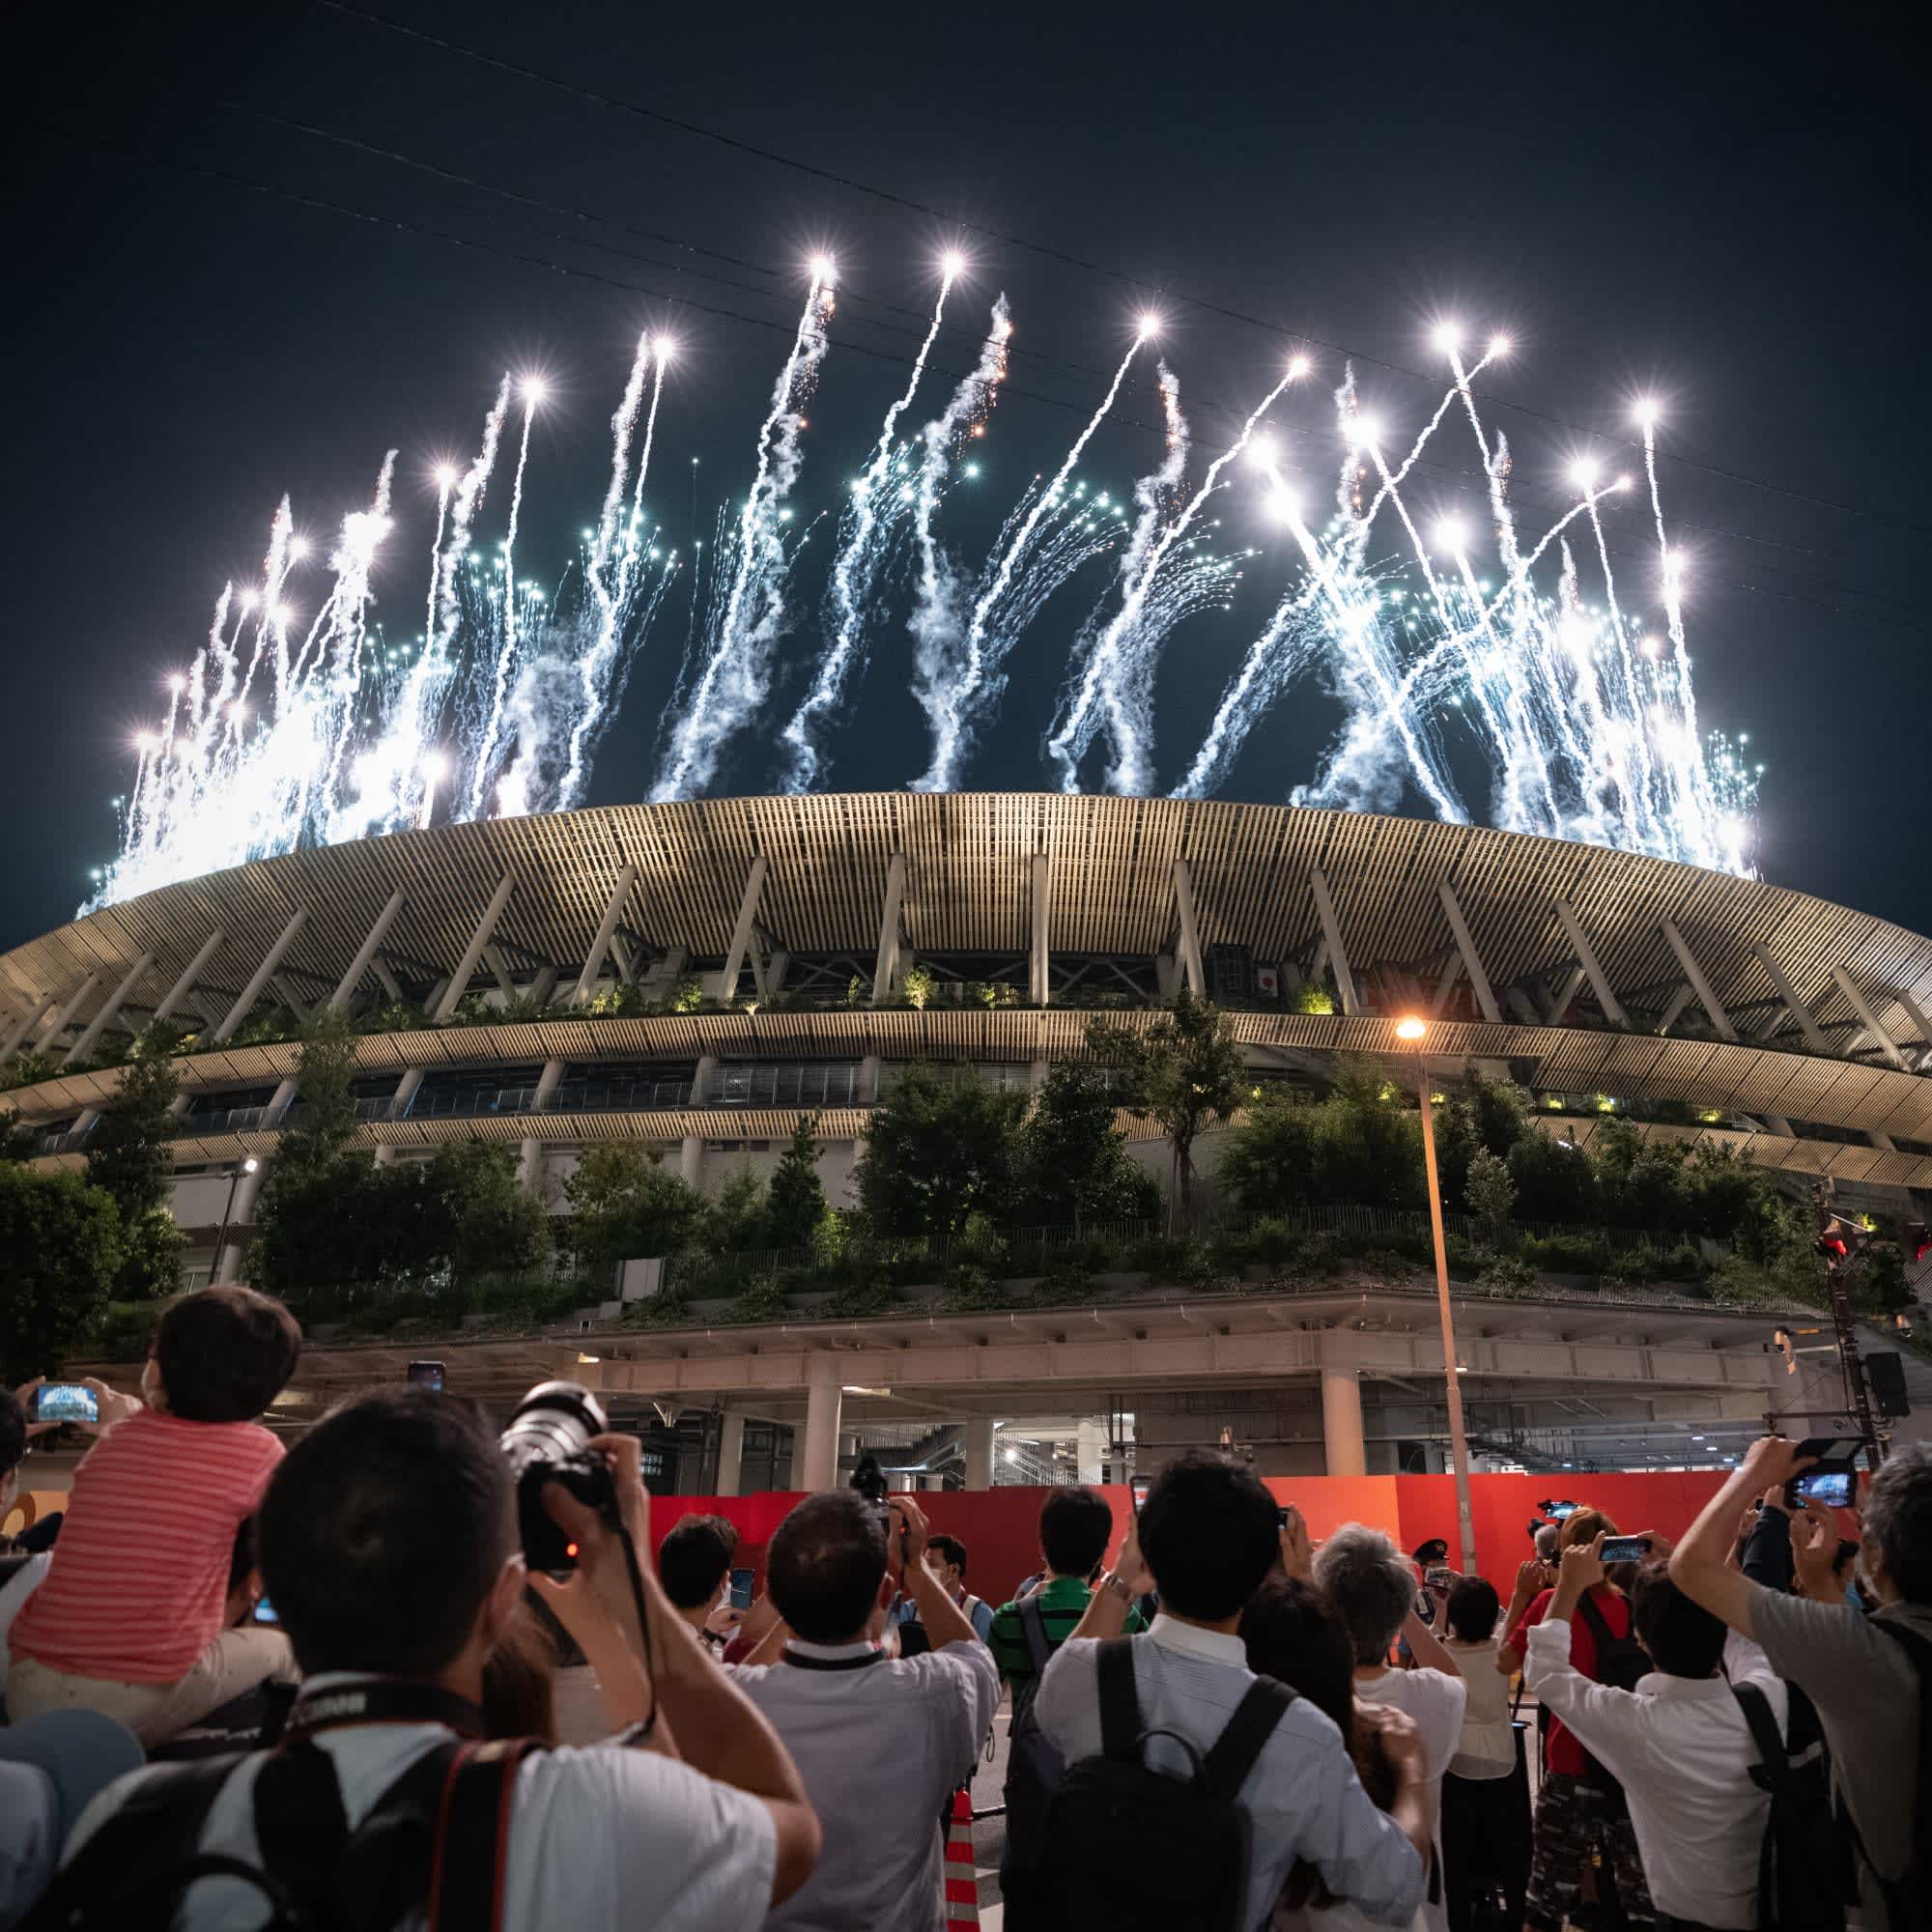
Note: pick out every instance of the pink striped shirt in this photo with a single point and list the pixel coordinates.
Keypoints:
(140, 1572)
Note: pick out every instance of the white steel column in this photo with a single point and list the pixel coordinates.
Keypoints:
(1699, 985)
(1479, 981)
(1343, 1444)
(691, 1160)
(24, 1026)
(58, 1025)
(1586, 958)
(1090, 1449)
(1915, 1014)
(529, 1164)
(345, 989)
(109, 1006)
(191, 972)
(1861, 1005)
(1331, 934)
(888, 967)
(406, 1091)
(486, 926)
(1039, 976)
(1559, 1004)
(979, 1452)
(1792, 1005)
(259, 978)
(1189, 947)
(593, 960)
(741, 931)
(547, 1086)
(731, 1452)
(817, 1466)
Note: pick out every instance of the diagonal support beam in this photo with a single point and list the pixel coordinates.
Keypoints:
(1190, 932)
(500, 967)
(1707, 998)
(62, 1019)
(600, 945)
(1586, 958)
(1792, 1005)
(1861, 1005)
(1331, 937)
(741, 931)
(886, 970)
(244, 1001)
(1679, 1000)
(109, 1009)
(1915, 1014)
(365, 956)
(190, 973)
(1559, 1005)
(1039, 961)
(465, 967)
(25, 1025)
(1479, 981)
(1444, 986)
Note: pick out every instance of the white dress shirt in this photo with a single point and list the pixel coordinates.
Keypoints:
(1683, 1751)
(881, 1743)
(1302, 1798)
(1486, 1748)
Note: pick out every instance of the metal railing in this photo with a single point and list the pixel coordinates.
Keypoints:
(829, 1083)
(225, 1120)
(461, 1102)
(620, 1095)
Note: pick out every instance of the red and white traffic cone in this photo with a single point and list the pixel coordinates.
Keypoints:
(962, 1880)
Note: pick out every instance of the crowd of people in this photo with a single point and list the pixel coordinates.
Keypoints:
(247, 1688)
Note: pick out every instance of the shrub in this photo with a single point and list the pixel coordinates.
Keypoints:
(857, 1300)
(1509, 1275)
(1565, 1253)
(1068, 1283)
(967, 1289)
(762, 1298)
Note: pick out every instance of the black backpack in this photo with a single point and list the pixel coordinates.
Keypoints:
(1801, 1871)
(1137, 1851)
(1035, 1767)
(1622, 1662)
(430, 1844)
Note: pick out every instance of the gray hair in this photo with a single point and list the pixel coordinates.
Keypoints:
(1897, 1517)
(1372, 1585)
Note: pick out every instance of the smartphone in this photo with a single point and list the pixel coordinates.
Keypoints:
(65, 1402)
(265, 1612)
(741, 1590)
(1557, 1512)
(1626, 1548)
(1439, 1576)
(1138, 1487)
(1281, 1517)
(425, 1374)
(1830, 1487)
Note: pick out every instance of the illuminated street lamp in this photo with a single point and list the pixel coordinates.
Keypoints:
(1414, 1030)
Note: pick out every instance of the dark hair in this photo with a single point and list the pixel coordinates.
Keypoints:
(1683, 1638)
(384, 1532)
(1075, 1525)
(1897, 1517)
(951, 1550)
(825, 1564)
(1472, 1608)
(695, 1558)
(12, 1431)
(225, 1353)
(1210, 1534)
(520, 1680)
(1294, 1634)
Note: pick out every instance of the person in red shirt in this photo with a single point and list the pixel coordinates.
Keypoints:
(128, 1620)
(1580, 1814)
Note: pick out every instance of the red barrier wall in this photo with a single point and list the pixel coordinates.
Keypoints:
(999, 1526)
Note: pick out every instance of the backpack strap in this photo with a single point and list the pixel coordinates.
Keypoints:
(1120, 1704)
(1601, 1633)
(1244, 1736)
(1774, 1765)
(1033, 1627)
(472, 1837)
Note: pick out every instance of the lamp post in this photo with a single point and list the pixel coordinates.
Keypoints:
(248, 1166)
(1413, 1031)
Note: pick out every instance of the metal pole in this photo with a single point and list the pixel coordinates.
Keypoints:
(222, 1236)
(1458, 1442)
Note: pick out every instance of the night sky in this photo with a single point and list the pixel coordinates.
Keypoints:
(1672, 201)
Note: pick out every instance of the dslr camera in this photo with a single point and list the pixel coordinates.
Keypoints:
(547, 1440)
(870, 1480)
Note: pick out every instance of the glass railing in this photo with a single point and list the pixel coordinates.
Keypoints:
(225, 1120)
(457, 1102)
(808, 1084)
(620, 1095)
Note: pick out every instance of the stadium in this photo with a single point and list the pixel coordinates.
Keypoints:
(702, 976)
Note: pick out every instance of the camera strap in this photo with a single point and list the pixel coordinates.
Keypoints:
(381, 1700)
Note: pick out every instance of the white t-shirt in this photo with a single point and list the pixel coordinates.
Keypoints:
(19, 1587)
(600, 1838)
(1488, 1746)
(1435, 1700)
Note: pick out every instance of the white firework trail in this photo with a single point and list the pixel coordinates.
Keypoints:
(737, 673)
(485, 760)
(854, 568)
(985, 648)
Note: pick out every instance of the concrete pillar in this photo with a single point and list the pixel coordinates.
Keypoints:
(593, 960)
(703, 1079)
(284, 1094)
(406, 1091)
(979, 1452)
(345, 988)
(868, 1077)
(29, 1019)
(1089, 1450)
(1039, 979)
(385, 1152)
(547, 1086)
(486, 930)
(691, 1160)
(252, 991)
(741, 931)
(886, 972)
(731, 1452)
(819, 1451)
(60, 1021)
(1331, 935)
(191, 972)
(1342, 1439)
(1586, 958)
(229, 1268)
(109, 1008)
(1188, 946)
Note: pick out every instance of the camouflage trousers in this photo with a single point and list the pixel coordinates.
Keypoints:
(1581, 1846)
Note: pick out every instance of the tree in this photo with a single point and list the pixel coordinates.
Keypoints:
(59, 1251)
(309, 1214)
(324, 1068)
(739, 1218)
(624, 1207)
(130, 1160)
(796, 1204)
(17, 1143)
(1368, 1150)
(937, 1151)
(1184, 1070)
(1555, 1181)
(1267, 1160)
(1075, 1163)
(484, 1220)
(1491, 1194)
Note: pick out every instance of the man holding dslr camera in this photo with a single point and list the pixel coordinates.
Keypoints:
(389, 1541)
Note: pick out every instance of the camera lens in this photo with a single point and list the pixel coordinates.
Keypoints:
(547, 1440)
